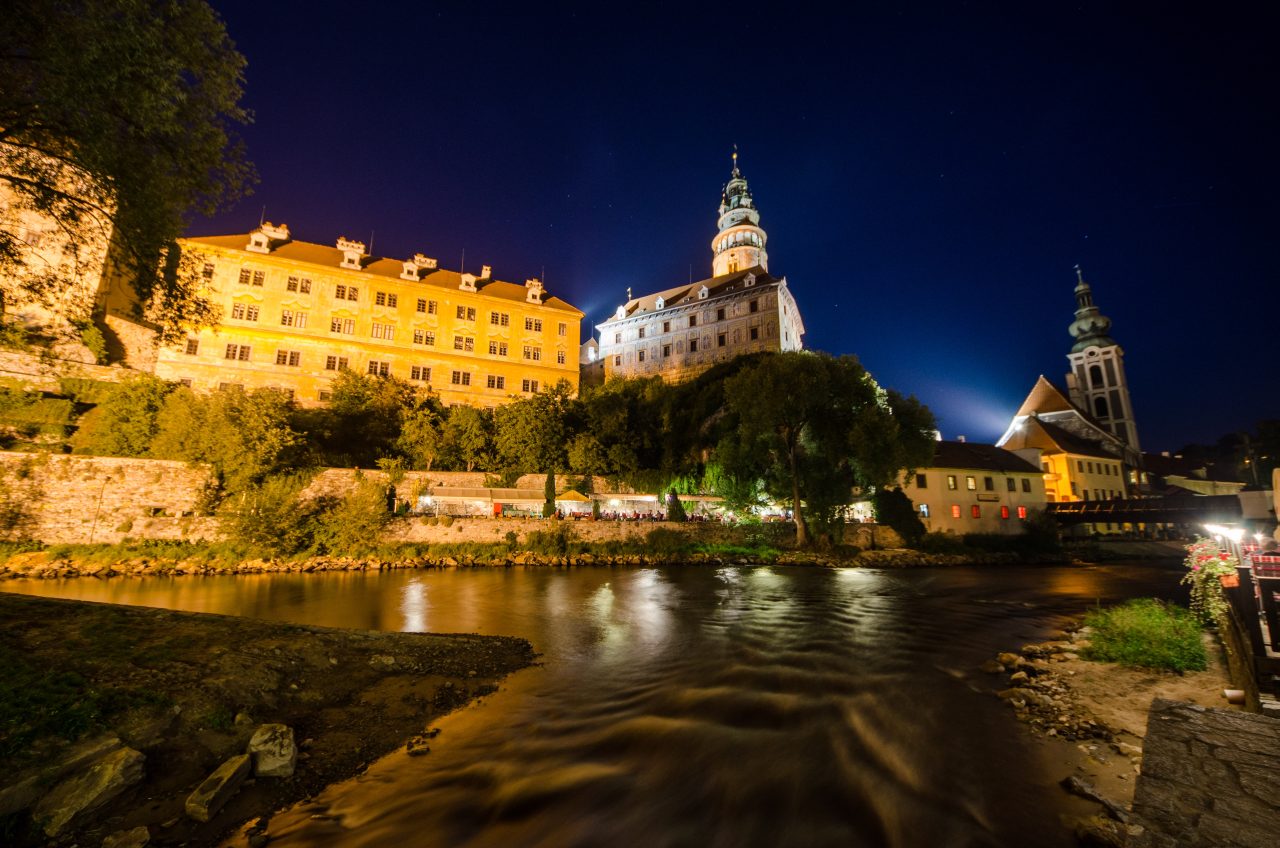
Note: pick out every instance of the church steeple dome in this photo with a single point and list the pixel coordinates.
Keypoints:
(740, 242)
(1091, 327)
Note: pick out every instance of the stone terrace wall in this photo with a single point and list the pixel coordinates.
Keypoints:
(340, 481)
(60, 499)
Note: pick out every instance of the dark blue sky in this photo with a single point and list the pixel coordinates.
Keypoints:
(927, 178)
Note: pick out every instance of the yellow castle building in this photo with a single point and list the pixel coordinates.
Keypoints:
(295, 313)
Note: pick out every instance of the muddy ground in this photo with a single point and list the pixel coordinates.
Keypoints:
(188, 689)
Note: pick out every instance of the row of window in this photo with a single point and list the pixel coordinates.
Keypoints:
(1098, 494)
(971, 483)
(722, 340)
(386, 332)
(293, 318)
(753, 306)
(975, 511)
(1108, 468)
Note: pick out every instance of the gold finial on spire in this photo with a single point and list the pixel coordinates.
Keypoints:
(735, 160)
(1079, 275)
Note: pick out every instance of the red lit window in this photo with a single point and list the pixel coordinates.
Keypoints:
(1004, 512)
(1022, 512)
(955, 510)
(975, 511)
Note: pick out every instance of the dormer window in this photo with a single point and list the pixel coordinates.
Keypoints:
(749, 280)
(468, 282)
(702, 293)
(533, 290)
(659, 303)
(410, 271)
(621, 313)
(258, 243)
(352, 253)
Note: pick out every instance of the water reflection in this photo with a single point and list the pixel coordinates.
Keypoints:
(684, 706)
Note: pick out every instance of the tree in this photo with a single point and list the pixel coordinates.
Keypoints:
(467, 436)
(894, 509)
(118, 121)
(243, 436)
(365, 417)
(421, 437)
(815, 429)
(125, 423)
(532, 434)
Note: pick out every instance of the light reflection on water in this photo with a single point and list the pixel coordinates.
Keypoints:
(686, 706)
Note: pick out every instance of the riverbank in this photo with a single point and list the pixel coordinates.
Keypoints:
(181, 693)
(1089, 719)
(152, 559)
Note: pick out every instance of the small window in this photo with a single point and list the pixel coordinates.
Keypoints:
(1022, 512)
(499, 319)
(379, 369)
(259, 277)
(693, 320)
(753, 306)
(460, 378)
(1089, 465)
(560, 357)
(720, 340)
(335, 363)
(323, 395)
(288, 357)
(666, 351)
(666, 326)
(617, 361)
(422, 305)
(353, 293)
(238, 352)
(340, 292)
(989, 484)
(1011, 484)
(532, 353)
(975, 511)
(420, 373)
(971, 484)
(924, 510)
(617, 338)
(1004, 512)
(533, 325)
(1080, 465)
(755, 334)
(1026, 486)
(245, 276)
(529, 386)
(384, 331)
(464, 343)
(207, 271)
(955, 510)
(193, 347)
(922, 481)
(640, 333)
(562, 329)
(497, 382)
(640, 356)
(693, 345)
(720, 314)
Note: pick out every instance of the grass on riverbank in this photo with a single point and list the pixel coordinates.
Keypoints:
(1146, 633)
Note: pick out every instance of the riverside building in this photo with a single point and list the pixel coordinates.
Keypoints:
(294, 314)
(679, 332)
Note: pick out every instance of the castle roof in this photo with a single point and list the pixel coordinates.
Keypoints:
(329, 258)
(1045, 397)
(688, 293)
(1050, 438)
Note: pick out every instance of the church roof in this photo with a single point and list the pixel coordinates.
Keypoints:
(974, 455)
(688, 293)
(1050, 438)
(1045, 397)
(305, 252)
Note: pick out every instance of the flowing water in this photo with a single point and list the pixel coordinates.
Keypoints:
(685, 706)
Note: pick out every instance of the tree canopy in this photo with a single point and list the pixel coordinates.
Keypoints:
(116, 119)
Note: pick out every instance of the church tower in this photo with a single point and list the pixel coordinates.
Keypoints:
(739, 245)
(1097, 383)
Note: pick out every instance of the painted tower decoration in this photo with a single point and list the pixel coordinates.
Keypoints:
(739, 244)
(1097, 382)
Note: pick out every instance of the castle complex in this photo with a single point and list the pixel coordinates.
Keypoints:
(679, 332)
(294, 314)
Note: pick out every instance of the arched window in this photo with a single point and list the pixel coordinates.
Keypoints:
(1099, 406)
(1095, 376)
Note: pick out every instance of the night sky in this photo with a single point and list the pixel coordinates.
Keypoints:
(927, 179)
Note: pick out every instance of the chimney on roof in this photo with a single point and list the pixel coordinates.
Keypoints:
(352, 252)
(960, 439)
(486, 272)
(413, 266)
(533, 290)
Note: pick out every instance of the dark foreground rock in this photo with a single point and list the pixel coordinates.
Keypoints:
(1210, 777)
(114, 716)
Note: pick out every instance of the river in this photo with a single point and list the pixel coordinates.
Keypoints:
(694, 706)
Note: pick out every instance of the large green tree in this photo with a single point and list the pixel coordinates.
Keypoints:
(365, 417)
(467, 438)
(816, 429)
(243, 436)
(125, 423)
(118, 119)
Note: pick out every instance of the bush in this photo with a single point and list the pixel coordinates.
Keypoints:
(940, 543)
(354, 524)
(555, 542)
(894, 509)
(663, 541)
(1146, 633)
(271, 517)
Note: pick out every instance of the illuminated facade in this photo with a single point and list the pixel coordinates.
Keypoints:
(682, 331)
(975, 488)
(294, 314)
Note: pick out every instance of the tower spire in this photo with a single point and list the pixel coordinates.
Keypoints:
(736, 172)
(739, 244)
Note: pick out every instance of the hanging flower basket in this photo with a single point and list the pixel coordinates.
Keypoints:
(1229, 581)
